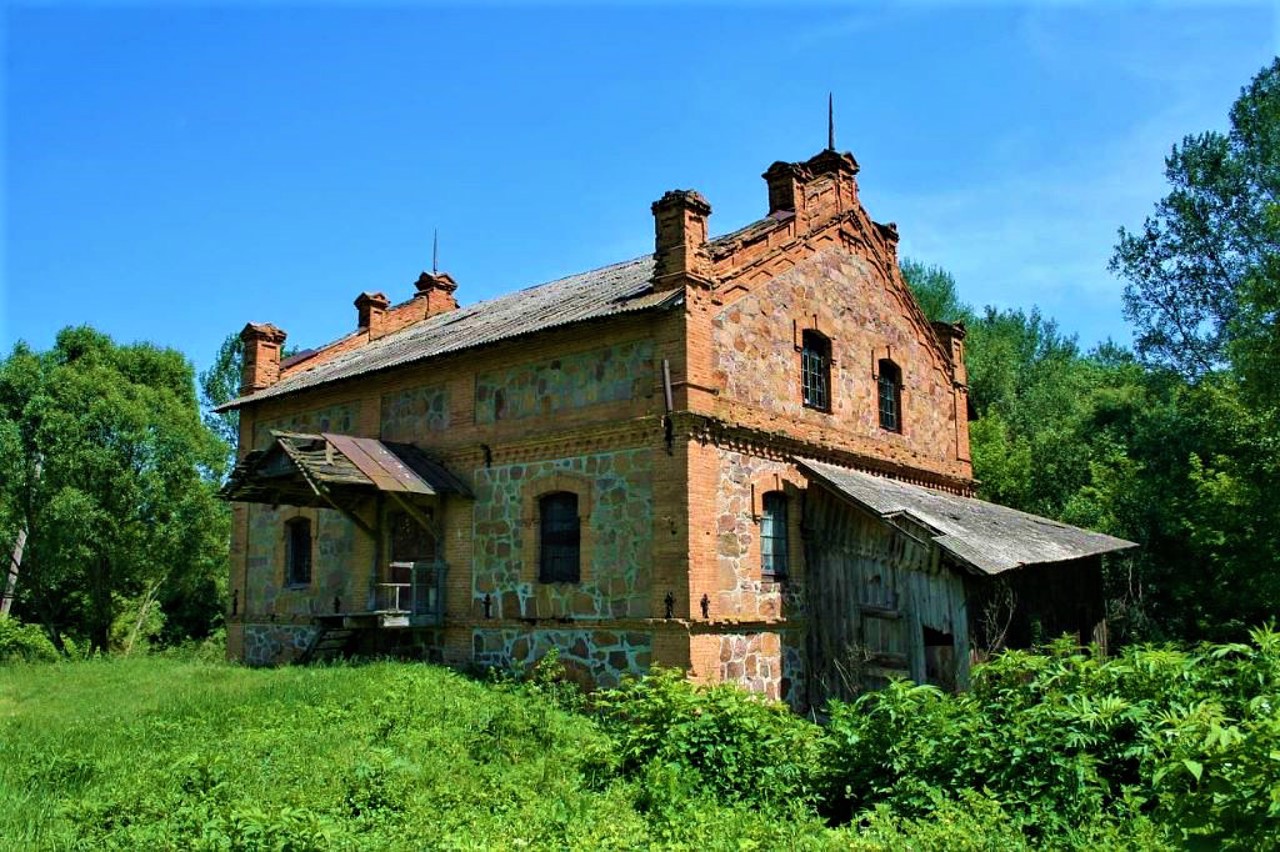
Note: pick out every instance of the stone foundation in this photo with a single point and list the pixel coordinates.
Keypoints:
(752, 661)
(593, 657)
(276, 644)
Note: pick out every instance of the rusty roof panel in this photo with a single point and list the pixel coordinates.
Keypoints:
(384, 469)
(433, 472)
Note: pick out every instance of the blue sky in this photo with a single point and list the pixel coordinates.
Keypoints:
(171, 172)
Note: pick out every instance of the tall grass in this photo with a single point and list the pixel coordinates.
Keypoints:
(1155, 748)
(153, 753)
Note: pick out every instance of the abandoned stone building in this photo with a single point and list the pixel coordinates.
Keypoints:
(746, 456)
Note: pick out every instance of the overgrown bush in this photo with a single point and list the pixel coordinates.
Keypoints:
(685, 739)
(24, 642)
(1180, 745)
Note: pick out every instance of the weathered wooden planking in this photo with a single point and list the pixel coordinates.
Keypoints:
(874, 585)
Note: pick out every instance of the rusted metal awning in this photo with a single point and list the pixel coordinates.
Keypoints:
(319, 470)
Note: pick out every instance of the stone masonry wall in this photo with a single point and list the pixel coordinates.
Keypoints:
(600, 657)
(333, 550)
(617, 543)
(612, 374)
(342, 418)
(741, 592)
(753, 661)
(409, 415)
(272, 644)
(756, 362)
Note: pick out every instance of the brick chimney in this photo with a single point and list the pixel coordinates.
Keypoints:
(680, 229)
(786, 189)
(261, 366)
(371, 308)
(815, 190)
(436, 289)
(833, 167)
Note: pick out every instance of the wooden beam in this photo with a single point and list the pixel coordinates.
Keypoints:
(414, 512)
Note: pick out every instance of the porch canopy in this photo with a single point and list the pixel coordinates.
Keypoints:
(334, 471)
(984, 537)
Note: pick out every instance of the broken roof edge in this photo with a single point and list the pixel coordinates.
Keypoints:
(960, 546)
(387, 466)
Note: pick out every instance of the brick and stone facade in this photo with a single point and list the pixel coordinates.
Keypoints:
(668, 425)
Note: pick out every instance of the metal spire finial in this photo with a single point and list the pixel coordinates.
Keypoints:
(831, 123)
(435, 250)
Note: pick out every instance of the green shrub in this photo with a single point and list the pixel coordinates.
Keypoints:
(1215, 763)
(24, 643)
(1154, 745)
(720, 739)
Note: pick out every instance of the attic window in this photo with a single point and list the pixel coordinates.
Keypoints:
(890, 385)
(815, 370)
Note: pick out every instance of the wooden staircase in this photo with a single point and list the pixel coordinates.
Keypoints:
(330, 643)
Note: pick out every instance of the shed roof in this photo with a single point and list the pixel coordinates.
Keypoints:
(987, 537)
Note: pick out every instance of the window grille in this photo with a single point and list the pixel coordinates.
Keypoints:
(773, 535)
(890, 383)
(815, 371)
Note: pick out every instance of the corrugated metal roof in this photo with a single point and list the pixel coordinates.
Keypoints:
(617, 289)
(988, 537)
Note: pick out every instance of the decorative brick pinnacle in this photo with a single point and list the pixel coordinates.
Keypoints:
(429, 281)
(687, 198)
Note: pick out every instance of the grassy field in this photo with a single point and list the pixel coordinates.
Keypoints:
(150, 753)
(1156, 748)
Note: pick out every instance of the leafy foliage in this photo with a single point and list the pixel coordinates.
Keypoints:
(24, 643)
(1157, 738)
(112, 475)
(719, 738)
(1205, 261)
(220, 384)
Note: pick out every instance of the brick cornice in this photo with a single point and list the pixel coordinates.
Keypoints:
(782, 447)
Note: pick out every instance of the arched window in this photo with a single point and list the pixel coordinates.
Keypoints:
(297, 552)
(773, 535)
(890, 384)
(560, 538)
(815, 370)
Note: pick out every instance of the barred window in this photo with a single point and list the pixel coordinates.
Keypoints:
(815, 371)
(890, 383)
(773, 535)
(560, 538)
(297, 558)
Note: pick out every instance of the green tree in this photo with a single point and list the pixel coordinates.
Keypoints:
(935, 290)
(1201, 272)
(113, 476)
(218, 385)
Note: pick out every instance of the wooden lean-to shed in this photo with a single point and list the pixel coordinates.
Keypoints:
(911, 581)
